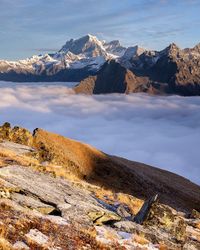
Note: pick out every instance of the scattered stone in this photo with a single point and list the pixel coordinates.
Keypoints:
(19, 245)
(126, 226)
(195, 214)
(123, 211)
(191, 245)
(100, 217)
(37, 237)
(193, 233)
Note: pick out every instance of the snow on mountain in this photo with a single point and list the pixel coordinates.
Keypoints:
(87, 51)
(114, 48)
(88, 54)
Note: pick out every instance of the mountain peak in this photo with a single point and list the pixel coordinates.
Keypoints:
(197, 47)
(173, 46)
(88, 45)
(92, 37)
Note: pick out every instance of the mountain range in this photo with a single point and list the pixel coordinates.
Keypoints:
(108, 67)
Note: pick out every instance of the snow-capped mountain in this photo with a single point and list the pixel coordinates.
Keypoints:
(84, 52)
(177, 68)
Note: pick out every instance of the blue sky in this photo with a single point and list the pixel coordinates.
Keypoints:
(30, 27)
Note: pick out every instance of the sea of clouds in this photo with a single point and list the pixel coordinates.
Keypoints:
(160, 131)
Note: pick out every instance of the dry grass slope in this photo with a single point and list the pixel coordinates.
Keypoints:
(117, 174)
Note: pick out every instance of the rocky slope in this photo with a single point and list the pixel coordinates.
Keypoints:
(179, 68)
(114, 78)
(57, 193)
(172, 70)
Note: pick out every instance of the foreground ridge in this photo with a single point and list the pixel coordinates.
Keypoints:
(57, 193)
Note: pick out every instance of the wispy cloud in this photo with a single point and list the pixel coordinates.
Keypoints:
(45, 50)
(48, 23)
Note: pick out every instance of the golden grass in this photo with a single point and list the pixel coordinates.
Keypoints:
(4, 244)
(8, 157)
(78, 157)
(111, 197)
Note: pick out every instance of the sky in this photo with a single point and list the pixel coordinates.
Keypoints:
(163, 131)
(30, 27)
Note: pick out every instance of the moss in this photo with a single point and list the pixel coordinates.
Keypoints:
(163, 217)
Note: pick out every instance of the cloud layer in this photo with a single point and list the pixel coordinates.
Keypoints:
(160, 131)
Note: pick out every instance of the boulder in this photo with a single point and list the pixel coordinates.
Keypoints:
(166, 218)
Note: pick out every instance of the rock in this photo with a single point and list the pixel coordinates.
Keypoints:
(33, 203)
(100, 218)
(16, 148)
(144, 211)
(120, 79)
(126, 226)
(35, 236)
(20, 245)
(54, 195)
(195, 214)
(151, 234)
(193, 233)
(122, 240)
(123, 211)
(194, 223)
(166, 218)
(191, 245)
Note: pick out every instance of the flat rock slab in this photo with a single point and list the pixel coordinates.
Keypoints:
(32, 203)
(16, 148)
(39, 190)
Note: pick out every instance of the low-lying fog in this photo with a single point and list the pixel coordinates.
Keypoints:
(160, 131)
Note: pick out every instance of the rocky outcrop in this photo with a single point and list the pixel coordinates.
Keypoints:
(178, 68)
(16, 134)
(170, 71)
(114, 78)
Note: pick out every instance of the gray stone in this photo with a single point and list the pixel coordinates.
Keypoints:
(39, 190)
(20, 245)
(36, 236)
